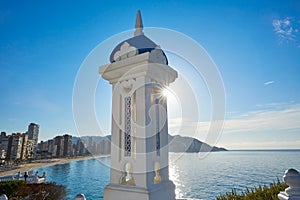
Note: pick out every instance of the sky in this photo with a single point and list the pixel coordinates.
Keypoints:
(255, 47)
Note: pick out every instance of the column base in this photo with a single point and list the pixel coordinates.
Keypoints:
(162, 191)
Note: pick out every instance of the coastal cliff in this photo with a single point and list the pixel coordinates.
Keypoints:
(190, 145)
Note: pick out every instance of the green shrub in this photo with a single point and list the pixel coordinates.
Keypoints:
(9, 187)
(19, 190)
(256, 193)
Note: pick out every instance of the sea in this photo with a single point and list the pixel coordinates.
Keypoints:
(195, 177)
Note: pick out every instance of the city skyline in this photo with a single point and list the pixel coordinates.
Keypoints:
(18, 147)
(256, 48)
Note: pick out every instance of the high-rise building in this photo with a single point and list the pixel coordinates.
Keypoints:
(24, 146)
(59, 146)
(3, 146)
(33, 135)
(105, 146)
(67, 145)
(98, 148)
(33, 132)
(50, 148)
(14, 150)
(4, 141)
(29, 149)
(42, 150)
(80, 148)
(2, 156)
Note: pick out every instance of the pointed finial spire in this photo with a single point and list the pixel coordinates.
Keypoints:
(138, 24)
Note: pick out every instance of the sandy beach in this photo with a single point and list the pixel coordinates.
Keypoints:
(41, 163)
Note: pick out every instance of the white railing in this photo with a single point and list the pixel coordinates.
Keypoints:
(7, 178)
(29, 179)
(292, 179)
(3, 197)
(80, 197)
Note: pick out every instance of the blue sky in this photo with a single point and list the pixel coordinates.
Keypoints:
(256, 47)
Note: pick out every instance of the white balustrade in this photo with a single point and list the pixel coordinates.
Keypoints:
(80, 197)
(3, 197)
(29, 179)
(292, 179)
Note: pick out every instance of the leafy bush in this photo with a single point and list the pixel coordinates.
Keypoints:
(256, 193)
(9, 187)
(19, 190)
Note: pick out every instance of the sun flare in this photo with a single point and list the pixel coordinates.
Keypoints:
(167, 93)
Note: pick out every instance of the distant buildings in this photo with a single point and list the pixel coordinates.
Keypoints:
(19, 146)
(25, 146)
(15, 146)
(59, 146)
(64, 146)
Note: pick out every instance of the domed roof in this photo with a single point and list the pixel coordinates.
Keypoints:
(136, 45)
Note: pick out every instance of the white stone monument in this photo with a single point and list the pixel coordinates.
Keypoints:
(138, 73)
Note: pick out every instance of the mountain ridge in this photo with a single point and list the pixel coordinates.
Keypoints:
(187, 144)
(177, 143)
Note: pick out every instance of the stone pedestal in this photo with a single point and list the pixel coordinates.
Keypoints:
(292, 179)
(163, 191)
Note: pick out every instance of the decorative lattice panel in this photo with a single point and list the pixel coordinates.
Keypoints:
(127, 135)
(157, 128)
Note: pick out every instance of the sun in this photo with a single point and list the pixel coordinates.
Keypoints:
(167, 93)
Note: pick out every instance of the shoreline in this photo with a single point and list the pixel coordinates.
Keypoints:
(43, 163)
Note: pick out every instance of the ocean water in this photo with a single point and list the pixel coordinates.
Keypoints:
(194, 177)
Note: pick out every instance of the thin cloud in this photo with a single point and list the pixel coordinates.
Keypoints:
(275, 105)
(284, 119)
(269, 82)
(287, 118)
(264, 144)
(284, 29)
